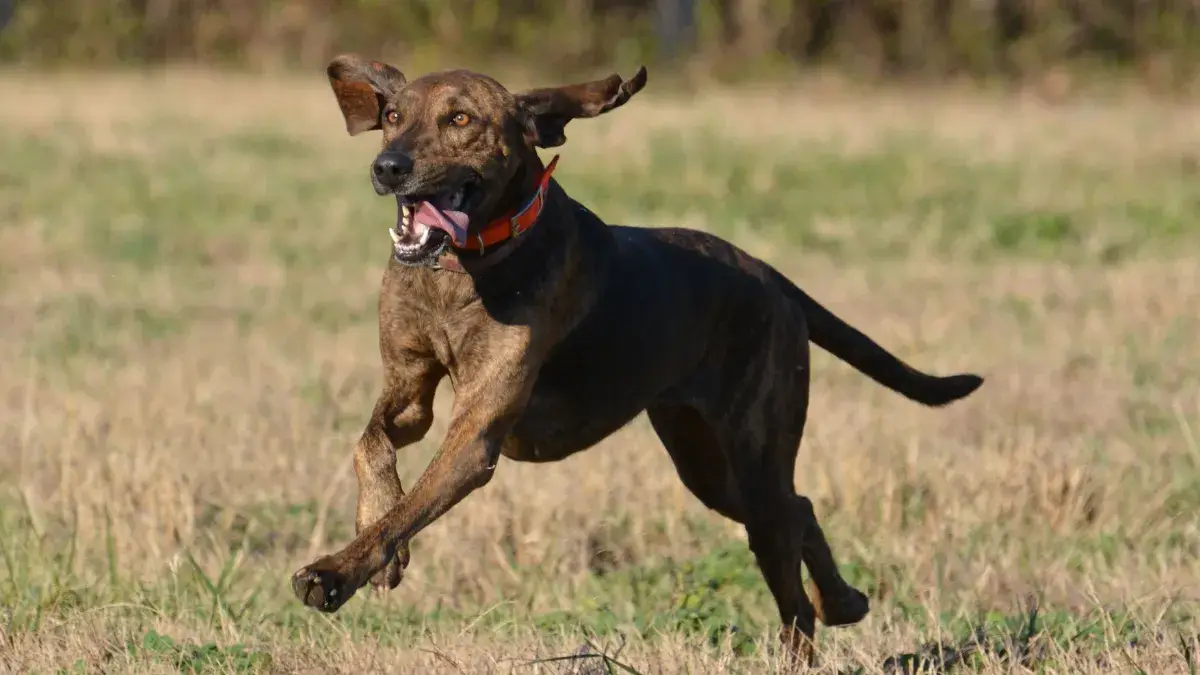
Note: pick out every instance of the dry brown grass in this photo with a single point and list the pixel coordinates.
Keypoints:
(192, 403)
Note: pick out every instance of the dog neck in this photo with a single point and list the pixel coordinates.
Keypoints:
(502, 235)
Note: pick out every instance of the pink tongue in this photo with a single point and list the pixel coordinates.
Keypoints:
(453, 223)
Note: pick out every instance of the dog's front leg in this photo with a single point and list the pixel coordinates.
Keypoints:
(483, 416)
(402, 416)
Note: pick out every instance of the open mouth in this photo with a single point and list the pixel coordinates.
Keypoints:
(426, 224)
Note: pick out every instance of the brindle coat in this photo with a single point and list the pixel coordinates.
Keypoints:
(581, 327)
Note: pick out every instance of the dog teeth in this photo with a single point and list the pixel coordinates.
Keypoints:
(395, 236)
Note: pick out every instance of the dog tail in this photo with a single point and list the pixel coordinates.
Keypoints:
(844, 341)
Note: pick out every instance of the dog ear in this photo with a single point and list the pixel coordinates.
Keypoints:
(549, 109)
(362, 88)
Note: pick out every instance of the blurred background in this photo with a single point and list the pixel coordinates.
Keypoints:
(1157, 39)
(190, 256)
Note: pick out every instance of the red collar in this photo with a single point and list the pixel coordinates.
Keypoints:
(510, 226)
(515, 222)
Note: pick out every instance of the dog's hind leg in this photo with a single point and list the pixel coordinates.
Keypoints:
(784, 533)
(837, 602)
(734, 484)
(784, 410)
(771, 531)
(735, 473)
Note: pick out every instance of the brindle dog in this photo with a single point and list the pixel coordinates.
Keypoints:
(557, 329)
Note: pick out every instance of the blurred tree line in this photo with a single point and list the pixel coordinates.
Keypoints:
(918, 37)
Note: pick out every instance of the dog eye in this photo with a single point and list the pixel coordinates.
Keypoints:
(460, 120)
(393, 117)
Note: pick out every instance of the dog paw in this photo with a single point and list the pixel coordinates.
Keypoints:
(847, 607)
(321, 587)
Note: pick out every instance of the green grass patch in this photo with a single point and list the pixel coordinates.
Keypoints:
(199, 658)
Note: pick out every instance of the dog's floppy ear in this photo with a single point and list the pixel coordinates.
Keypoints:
(362, 88)
(548, 110)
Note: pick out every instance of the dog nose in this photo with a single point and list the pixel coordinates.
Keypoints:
(391, 167)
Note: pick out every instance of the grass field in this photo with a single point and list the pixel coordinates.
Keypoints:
(189, 268)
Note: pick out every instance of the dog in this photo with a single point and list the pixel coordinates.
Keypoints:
(557, 329)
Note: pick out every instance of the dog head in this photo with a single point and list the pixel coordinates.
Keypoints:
(459, 150)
